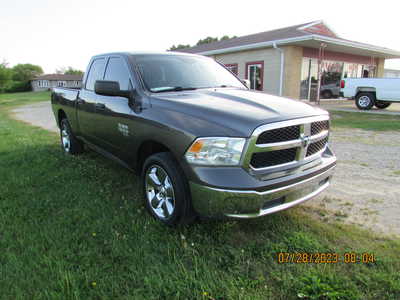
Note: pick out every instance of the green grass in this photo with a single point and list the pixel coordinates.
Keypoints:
(75, 228)
(365, 121)
(8, 100)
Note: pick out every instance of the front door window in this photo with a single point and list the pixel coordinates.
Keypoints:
(255, 76)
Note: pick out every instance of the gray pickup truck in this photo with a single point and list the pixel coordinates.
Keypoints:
(204, 144)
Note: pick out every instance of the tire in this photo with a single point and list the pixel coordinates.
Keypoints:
(327, 94)
(382, 104)
(166, 190)
(69, 143)
(365, 101)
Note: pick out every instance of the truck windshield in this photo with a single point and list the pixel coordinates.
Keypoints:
(163, 73)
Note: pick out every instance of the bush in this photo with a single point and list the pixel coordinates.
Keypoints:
(18, 86)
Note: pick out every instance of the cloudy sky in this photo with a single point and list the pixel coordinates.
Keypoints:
(55, 34)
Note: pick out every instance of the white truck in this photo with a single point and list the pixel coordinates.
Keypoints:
(368, 92)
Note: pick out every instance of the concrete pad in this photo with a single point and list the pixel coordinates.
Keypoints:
(38, 114)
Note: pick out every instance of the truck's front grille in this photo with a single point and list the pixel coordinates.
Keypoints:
(318, 127)
(279, 135)
(287, 144)
(316, 147)
(272, 158)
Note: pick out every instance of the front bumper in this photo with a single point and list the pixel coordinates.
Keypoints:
(216, 202)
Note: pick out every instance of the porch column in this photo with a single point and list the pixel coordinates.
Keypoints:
(292, 71)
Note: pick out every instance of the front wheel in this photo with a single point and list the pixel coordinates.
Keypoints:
(382, 104)
(167, 196)
(365, 101)
(69, 143)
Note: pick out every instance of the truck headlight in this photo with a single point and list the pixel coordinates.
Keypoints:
(216, 151)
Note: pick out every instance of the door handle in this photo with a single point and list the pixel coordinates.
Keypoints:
(101, 106)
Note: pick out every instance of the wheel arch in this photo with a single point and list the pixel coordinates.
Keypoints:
(60, 116)
(148, 148)
(365, 89)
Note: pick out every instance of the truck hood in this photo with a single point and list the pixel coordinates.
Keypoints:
(229, 112)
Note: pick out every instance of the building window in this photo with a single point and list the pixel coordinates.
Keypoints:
(61, 83)
(331, 74)
(233, 68)
(255, 74)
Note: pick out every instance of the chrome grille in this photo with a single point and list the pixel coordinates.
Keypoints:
(267, 159)
(285, 145)
(316, 147)
(317, 127)
(279, 135)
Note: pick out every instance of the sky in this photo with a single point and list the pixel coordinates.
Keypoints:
(55, 34)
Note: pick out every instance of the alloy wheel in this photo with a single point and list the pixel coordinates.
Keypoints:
(65, 139)
(159, 192)
(364, 101)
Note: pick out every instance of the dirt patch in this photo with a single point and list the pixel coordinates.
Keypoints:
(366, 186)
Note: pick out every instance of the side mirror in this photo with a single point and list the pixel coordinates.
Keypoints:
(109, 88)
(246, 82)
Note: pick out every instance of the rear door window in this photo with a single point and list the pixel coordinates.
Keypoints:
(118, 71)
(96, 73)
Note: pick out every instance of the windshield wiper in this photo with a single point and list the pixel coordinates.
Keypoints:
(172, 89)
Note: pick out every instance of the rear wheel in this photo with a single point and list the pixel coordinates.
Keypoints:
(69, 143)
(382, 104)
(365, 101)
(167, 196)
(327, 94)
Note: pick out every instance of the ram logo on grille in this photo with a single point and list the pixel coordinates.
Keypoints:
(305, 140)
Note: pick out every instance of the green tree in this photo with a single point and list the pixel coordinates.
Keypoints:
(26, 72)
(180, 46)
(69, 71)
(5, 75)
(227, 37)
(207, 40)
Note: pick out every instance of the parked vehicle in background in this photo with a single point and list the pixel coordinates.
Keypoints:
(369, 92)
(203, 143)
(331, 90)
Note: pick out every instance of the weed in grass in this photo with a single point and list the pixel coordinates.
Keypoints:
(368, 212)
(376, 201)
(341, 214)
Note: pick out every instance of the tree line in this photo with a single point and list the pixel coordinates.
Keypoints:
(17, 78)
(206, 40)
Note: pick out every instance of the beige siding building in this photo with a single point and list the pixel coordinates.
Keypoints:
(49, 81)
(297, 61)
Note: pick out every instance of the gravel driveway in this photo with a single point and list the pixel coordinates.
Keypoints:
(366, 185)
